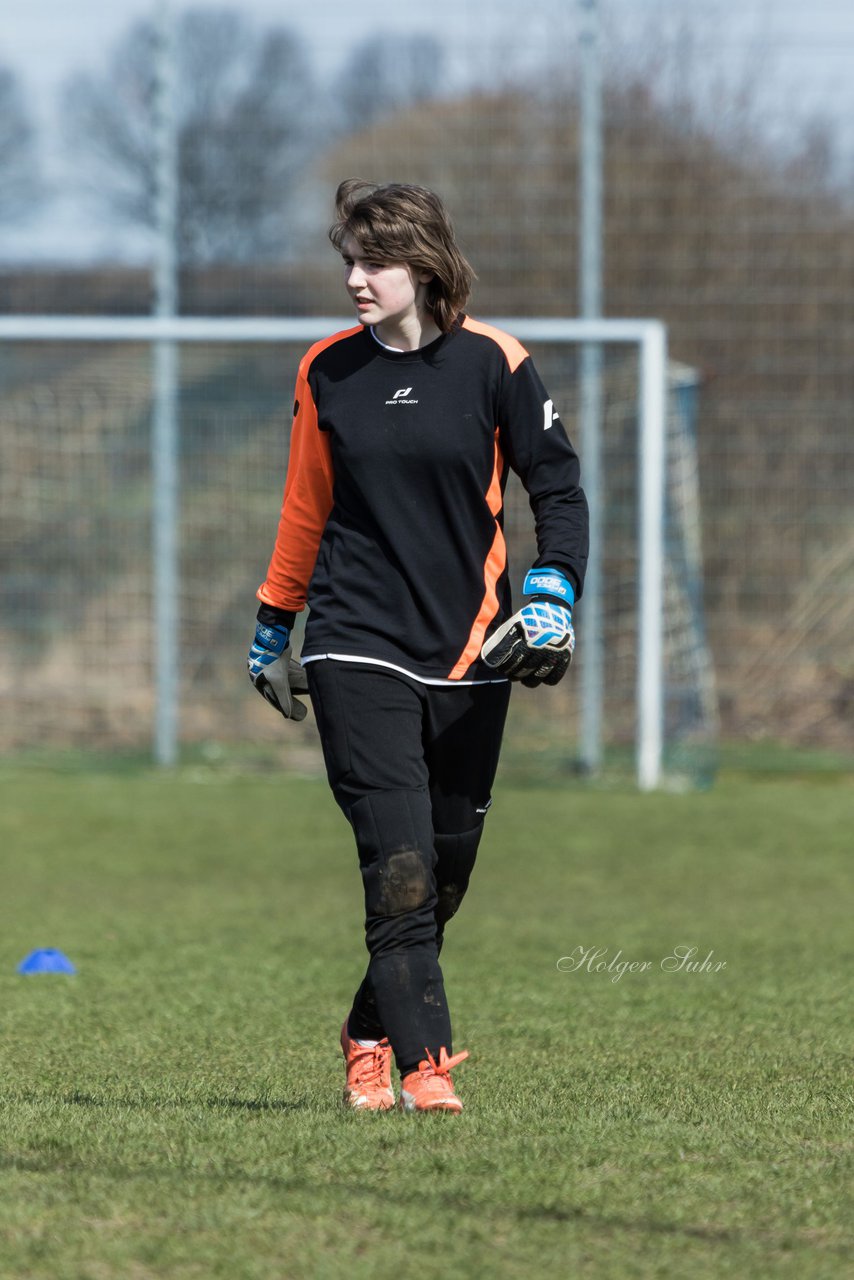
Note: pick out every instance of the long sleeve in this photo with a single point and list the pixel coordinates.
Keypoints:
(538, 449)
(305, 507)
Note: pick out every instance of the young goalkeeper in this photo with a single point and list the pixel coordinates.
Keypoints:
(391, 529)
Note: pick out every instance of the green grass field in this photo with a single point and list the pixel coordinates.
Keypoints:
(173, 1109)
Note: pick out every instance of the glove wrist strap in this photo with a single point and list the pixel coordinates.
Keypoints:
(273, 638)
(549, 582)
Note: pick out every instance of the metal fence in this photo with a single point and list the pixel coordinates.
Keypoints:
(727, 213)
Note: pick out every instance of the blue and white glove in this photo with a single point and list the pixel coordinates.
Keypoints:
(275, 674)
(536, 644)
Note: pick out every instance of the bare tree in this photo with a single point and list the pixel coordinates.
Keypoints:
(244, 116)
(20, 186)
(386, 72)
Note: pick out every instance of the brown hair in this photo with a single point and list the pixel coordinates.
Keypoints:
(403, 223)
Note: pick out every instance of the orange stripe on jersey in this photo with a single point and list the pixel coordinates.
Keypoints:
(513, 350)
(496, 562)
(308, 495)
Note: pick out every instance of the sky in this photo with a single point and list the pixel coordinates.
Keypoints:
(45, 41)
(804, 50)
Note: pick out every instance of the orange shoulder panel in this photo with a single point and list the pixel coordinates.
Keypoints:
(513, 350)
(314, 351)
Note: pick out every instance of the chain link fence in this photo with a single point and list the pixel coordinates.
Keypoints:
(728, 214)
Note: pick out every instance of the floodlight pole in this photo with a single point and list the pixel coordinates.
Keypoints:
(164, 436)
(590, 399)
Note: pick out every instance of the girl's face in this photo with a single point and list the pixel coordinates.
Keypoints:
(385, 294)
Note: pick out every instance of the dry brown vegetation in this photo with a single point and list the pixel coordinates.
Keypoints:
(751, 264)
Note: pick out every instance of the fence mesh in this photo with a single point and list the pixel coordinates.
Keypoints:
(728, 214)
(76, 533)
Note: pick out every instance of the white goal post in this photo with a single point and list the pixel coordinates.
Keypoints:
(648, 336)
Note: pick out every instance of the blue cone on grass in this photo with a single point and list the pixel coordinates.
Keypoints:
(46, 960)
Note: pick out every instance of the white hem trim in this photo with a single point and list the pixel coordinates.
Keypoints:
(378, 662)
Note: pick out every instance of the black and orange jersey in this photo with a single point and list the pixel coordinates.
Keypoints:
(392, 520)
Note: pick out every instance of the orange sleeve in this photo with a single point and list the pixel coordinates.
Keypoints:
(305, 506)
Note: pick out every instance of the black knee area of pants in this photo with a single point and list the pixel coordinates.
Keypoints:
(395, 841)
(455, 859)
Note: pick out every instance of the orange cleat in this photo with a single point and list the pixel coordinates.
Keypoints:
(429, 1088)
(368, 1085)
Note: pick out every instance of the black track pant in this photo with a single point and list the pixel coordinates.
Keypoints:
(412, 767)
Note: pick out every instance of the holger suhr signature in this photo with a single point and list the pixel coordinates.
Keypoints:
(682, 959)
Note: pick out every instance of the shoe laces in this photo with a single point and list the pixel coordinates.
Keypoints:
(444, 1065)
(368, 1062)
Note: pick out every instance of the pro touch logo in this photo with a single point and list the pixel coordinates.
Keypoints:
(550, 414)
(402, 397)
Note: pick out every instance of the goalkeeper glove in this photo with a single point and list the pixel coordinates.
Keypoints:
(275, 674)
(536, 644)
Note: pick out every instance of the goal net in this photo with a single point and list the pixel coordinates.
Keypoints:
(142, 468)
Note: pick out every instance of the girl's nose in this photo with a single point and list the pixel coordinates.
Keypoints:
(355, 277)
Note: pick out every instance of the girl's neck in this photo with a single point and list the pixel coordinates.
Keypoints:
(409, 333)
